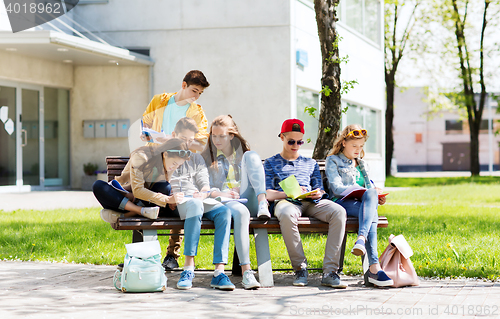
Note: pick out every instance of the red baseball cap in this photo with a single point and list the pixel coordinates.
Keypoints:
(292, 125)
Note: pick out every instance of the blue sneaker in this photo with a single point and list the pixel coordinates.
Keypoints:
(359, 248)
(222, 282)
(380, 279)
(186, 280)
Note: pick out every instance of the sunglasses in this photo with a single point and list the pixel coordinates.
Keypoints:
(357, 133)
(182, 153)
(292, 142)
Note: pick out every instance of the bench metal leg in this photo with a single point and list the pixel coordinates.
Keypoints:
(365, 263)
(342, 254)
(236, 264)
(149, 234)
(137, 236)
(263, 257)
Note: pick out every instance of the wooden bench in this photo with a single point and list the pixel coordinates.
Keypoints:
(146, 229)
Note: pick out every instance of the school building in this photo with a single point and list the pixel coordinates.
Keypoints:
(440, 141)
(73, 89)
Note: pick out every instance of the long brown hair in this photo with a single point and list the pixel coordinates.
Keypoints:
(338, 146)
(155, 153)
(209, 154)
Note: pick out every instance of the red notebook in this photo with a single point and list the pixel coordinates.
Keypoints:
(357, 191)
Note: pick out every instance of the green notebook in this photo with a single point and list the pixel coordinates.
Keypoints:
(292, 189)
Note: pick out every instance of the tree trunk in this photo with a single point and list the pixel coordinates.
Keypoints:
(330, 113)
(474, 149)
(389, 119)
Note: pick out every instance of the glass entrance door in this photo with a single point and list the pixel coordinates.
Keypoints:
(20, 141)
(34, 137)
(31, 136)
(8, 133)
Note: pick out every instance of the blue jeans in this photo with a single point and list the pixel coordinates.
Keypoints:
(220, 215)
(366, 212)
(253, 180)
(110, 198)
(253, 183)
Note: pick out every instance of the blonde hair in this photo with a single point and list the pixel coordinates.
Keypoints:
(338, 145)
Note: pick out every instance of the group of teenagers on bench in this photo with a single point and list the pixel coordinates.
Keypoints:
(176, 177)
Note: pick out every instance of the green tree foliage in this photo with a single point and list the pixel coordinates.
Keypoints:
(468, 35)
(397, 34)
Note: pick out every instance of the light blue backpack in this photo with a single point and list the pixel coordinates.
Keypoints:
(142, 269)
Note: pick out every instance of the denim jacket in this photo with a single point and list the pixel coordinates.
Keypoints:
(218, 176)
(342, 173)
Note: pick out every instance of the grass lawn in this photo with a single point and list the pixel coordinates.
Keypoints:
(454, 231)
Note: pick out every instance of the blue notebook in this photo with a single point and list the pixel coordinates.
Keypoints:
(116, 185)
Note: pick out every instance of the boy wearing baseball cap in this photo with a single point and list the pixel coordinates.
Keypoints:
(289, 162)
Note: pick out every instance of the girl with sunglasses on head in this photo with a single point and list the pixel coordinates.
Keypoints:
(146, 178)
(344, 168)
(236, 172)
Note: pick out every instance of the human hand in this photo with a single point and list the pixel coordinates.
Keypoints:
(198, 195)
(236, 189)
(304, 189)
(316, 195)
(130, 197)
(145, 137)
(172, 206)
(382, 200)
(176, 198)
(232, 194)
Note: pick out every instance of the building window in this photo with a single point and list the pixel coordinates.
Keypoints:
(454, 126)
(363, 16)
(483, 127)
(306, 98)
(368, 119)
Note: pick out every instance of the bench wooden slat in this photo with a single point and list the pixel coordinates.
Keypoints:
(308, 224)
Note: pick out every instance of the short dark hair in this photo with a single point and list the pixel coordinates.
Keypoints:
(197, 78)
(186, 123)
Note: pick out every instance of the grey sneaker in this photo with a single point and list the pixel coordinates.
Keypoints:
(332, 279)
(263, 212)
(110, 216)
(300, 277)
(170, 263)
(150, 212)
(249, 281)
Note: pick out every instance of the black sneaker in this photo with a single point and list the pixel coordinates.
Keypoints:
(120, 267)
(170, 263)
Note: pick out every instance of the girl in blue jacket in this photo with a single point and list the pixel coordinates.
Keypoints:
(345, 168)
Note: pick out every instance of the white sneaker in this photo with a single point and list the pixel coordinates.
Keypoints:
(249, 281)
(150, 212)
(263, 212)
(110, 216)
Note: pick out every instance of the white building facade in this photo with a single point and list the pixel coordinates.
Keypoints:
(262, 59)
(430, 141)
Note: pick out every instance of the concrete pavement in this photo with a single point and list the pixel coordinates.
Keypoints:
(55, 290)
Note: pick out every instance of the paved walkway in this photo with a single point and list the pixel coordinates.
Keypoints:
(47, 200)
(52, 290)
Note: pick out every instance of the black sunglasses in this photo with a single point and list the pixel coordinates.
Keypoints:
(182, 153)
(292, 142)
